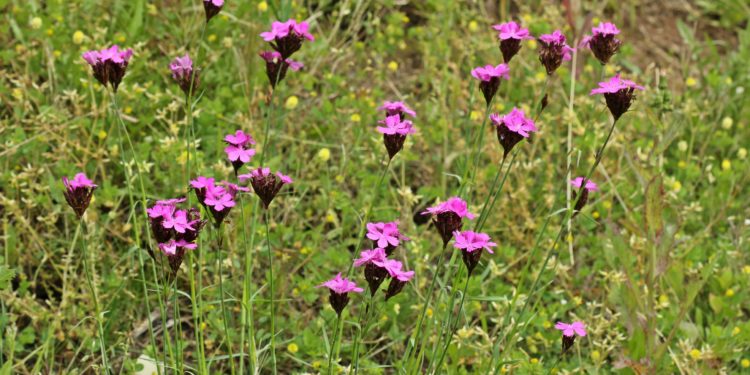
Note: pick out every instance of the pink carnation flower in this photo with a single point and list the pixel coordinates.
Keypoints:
(392, 266)
(576, 328)
(614, 85)
(515, 121)
(286, 37)
(618, 93)
(339, 292)
(385, 235)
(603, 42)
(369, 256)
(605, 28)
(553, 50)
(584, 193)
(239, 138)
(238, 151)
(488, 72)
(109, 64)
(171, 248)
(265, 184)
(447, 217)
(470, 241)
(511, 30)
(276, 68)
(396, 108)
(212, 8)
(78, 192)
(219, 198)
(394, 133)
(590, 185)
(454, 204)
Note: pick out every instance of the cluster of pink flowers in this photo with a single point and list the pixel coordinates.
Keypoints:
(339, 292)
(238, 149)
(285, 38)
(78, 192)
(489, 79)
(174, 229)
(376, 262)
(512, 128)
(184, 74)
(266, 184)
(397, 127)
(602, 42)
(448, 217)
(109, 64)
(553, 50)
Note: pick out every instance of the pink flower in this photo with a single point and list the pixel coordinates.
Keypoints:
(171, 247)
(394, 125)
(181, 67)
(470, 241)
(511, 30)
(177, 221)
(399, 279)
(202, 182)
(603, 42)
(618, 93)
(403, 276)
(576, 328)
(341, 285)
(488, 72)
(78, 192)
(614, 85)
(286, 37)
(218, 199)
(79, 181)
(109, 64)
(590, 185)
(369, 256)
(605, 28)
(265, 184)
(515, 121)
(385, 235)
(212, 8)
(553, 50)
(396, 108)
(453, 204)
(239, 138)
(392, 266)
(276, 68)
(448, 216)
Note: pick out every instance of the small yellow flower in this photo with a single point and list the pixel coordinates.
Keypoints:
(405, 19)
(681, 164)
(291, 102)
(727, 123)
(547, 324)
(726, 165)
(402, 45)
(17, 93)
(534, 361)
(677, 186)
(532, 44)
(305, 250)
(745, 363)
(499, 107)
(429, 312)
(691, 82)
(475, 115)
(50, 31)
(397, 308)
(728, 80)
(736, 331)
(78, 37)
(102, 134)
(57, 53)
(595, 20)
(742, 153)
(746, 269)
(182, 159)
(35, 23)
(316, 364)
(527, 18)
(569, 237)
(212, 38)
(588, 68)
(595, 355)
(682, 146)
(324, 154)
(339, 178)
(473, 26)
(330, 218)
(292, 348)
(203, 326)
(729, 293)
(151, 9)
(262, 6)
(355, 118)
(393, 66)
(663, 300)
(227, 42)
(695, 354)
(607, 205)
(121, 38)
(595, 214)
(540, 76)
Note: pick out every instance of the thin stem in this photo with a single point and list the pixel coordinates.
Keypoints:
(247, 305)
(455, 326)
(95, 297)
(272, 291)
(360, 334)
(225, 317)
(336, 338)
(196, 320)
(483, 218)
(477, 147)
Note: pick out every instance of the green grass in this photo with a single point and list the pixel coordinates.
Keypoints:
(656, 264)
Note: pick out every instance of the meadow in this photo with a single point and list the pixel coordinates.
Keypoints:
(375, 187)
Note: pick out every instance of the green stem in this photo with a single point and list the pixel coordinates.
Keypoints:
(225, 318)
(477, 147)
(272, 291)
(247, 304)
(455, 326)
(95, 297)
(362, 332)
(336, 338)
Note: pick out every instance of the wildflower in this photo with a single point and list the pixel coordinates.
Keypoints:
(589, 186)
(35, 23)
(394, 133)
(201, 185)
(511, 35)
(695, 354)
(156, 216)
(397, 108)
(340, 288)
(175, 251)
(512, 128)
(374, 273)
(603, 42)
(553, 51)
(212, 8)
(745, 363)
(399, 279)
(385, 236)
(726, 164)
(447, 217)
(237, 149)
(109, 64)
(292, 348)
(393, 66)
(489, 77)
(291, 102)
(262, 6)
(619, 93)
(78, 192)
(265, 184)
(569, 332)
(287, 37)
(472, 243)
(184, 74)
(276, 67)
(219, 201)
(78, 37)
(324, 154)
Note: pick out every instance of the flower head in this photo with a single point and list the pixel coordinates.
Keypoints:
(512, 128)
(286, 37)
(553, 50)
(394, 133)
(339, 292)
(618, 93)
(369, 256)
(570, 331)
(489, 77)
(471, 245)
(78, 192)
(589, 186)
(276, 67)
(603, 43)
(184, 75)
(399, 278)
(511, 34)
(175, 251)
(265, 184)
(385, 235)
(237, 150)
(201, 185)
(447, 217)
(397, 108)
(212, 8)
(109, 64)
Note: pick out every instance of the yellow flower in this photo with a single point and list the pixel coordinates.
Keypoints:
(745, 363)
(405, 19)
(402, 45)
(595, 355)
(50, 31)
(695, 354)
(532, 44)
(355, 118)
(527, 18)
(339, 178)
(610, 70)
(316, 364)
(262, 6)
(17, 93)
(429, 312)
(726, 165)
(746, 269)
(397, 308)
(742, 153)
(540, 76)
(595, 214)
(569, 237)
(102, 134)
(681, 164)
(291, 102)
(729, 293)
(534, 361)
(664, 300)
(324, 154)
(690, 82)
(78, 37)
(588, 68)
(677, 186)
(736, 331)
(393, 66)
(57, 53)
(212, 38)
(330, 218)
(499, 107)
(121, 38)
(728, 80)
(547, 324)
(227, 42)
(475, 115)
(595, 20)
(607, 205)
(151, 9)
(473, 26)
(203, 326)
(292, 348)
(35, 23)
(727, 123)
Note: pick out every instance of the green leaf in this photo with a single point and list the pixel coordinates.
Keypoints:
(6, 275)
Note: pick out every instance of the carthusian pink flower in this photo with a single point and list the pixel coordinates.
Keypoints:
(511, 35)
(287, 37)
(399, 278)
(618, 93)
(78, 192)
(109, 64)
(512, 128)
(184, 74)
(265, 184)
(489, 79)
(471, 245)
(385, 235)
(339, 292)
(375, 274)
(397, 108)
(589, 186)
(394, 133)
(553, 50)
(212, 8)
(175, 252)
(238, 149)
(570, 331)
(447, 217)
(603, 42)
(276, 67)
